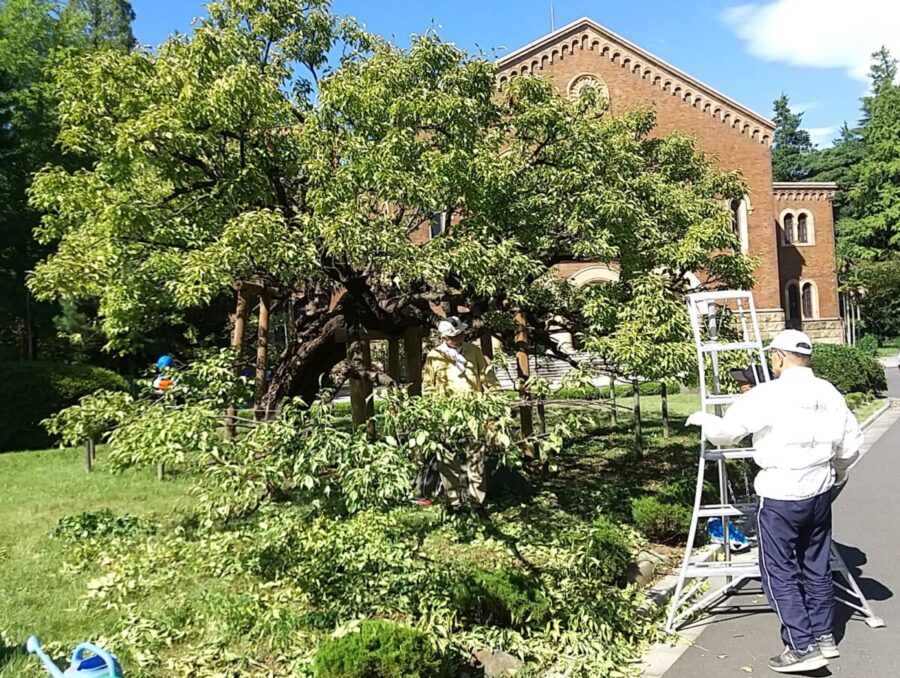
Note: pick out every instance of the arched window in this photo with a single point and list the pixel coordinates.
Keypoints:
(736, 217)
(788, 228)
(808, 301)
(793, 304)
(802, 231)
(438, 223)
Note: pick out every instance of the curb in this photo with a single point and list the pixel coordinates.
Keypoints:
(660, 594)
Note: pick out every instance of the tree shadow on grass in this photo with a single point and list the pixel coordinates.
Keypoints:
(11, 653)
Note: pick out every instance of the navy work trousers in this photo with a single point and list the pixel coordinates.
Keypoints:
(795, 566)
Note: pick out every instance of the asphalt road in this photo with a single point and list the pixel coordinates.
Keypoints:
(744, 635)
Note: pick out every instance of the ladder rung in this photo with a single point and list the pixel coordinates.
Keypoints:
(698, 297)
(722, 510)
(720, 398)
(718, 347)
(735, 453)
(732, 569)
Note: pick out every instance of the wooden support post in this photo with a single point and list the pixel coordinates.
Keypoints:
(638, 434)
(412, 344)
(237, 344)
(615, 407)
(664, 398)
(393, 360)
(524, 371)
(262, 354)
(160, 471)
(89, 455)
(362, 407)
(487, 345)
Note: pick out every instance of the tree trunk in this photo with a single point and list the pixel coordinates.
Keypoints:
(664, 398)
(638, 433)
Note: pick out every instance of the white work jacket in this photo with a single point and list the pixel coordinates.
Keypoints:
(802, 433)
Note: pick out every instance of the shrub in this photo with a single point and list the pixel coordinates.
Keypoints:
(857, 400)
(505, 597)
(661, 521)
(609, 552)
(681, 491)
(848, 368)
(99, 525)
(32, 391)
(381, 649)
(648, 388)
(868, 344)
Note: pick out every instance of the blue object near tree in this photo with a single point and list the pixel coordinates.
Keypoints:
(100, 664)
(164, 362)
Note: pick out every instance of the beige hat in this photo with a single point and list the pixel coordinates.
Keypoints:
(451, 327)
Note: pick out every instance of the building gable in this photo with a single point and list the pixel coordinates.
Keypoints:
(587, 35)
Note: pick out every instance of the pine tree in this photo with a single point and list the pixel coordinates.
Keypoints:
(106, 22)
(791, 144)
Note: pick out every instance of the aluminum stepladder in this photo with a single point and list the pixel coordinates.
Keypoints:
(704, 310)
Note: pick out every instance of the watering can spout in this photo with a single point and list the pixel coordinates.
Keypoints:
(34, 647)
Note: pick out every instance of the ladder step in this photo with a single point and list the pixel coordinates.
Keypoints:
(733, 569)
(720, 398)
(724, 510)
(732, 453)
(718, 347)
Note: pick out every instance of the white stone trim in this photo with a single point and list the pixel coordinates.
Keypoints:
(810, 227)
(596, 273)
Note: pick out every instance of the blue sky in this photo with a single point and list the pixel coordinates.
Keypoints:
(814, 50)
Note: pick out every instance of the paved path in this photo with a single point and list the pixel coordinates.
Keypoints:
(865, 523)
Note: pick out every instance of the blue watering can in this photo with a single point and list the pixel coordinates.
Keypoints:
(100, 664)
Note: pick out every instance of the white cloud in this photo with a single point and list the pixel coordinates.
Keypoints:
(805, 106)
(818, 33)
(823, 136)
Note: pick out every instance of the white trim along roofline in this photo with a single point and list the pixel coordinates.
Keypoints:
(615, 37)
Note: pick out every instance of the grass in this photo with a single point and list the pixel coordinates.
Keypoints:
(887, 351)
(39, 489)
(865, 411)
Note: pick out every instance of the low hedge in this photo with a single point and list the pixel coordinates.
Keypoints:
(382, 649)
(647, 388)
(848, 368)
(32, 391)
(661, 521)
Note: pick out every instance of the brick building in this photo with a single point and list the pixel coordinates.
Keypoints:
(789, 227)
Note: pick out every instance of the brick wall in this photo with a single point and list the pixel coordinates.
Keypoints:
(722, 128)
(814, 261)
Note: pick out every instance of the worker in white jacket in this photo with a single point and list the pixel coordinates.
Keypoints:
(805, 439)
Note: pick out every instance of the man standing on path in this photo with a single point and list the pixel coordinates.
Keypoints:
(455, 367)
(805, 439)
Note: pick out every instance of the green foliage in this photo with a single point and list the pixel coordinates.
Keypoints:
(868, 344)
(880, 305)
(505, 598)
(856, 400)
(873, 230)
(209, 169)
(791, 145)
(33, 391)
(381, 649)
(664, 522)
(100, 525)
(848, 368)
(647, 388)
(609, 551)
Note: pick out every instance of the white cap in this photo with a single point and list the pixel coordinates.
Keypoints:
(792, 341)
(451, 327)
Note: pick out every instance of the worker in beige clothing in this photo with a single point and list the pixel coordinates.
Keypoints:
(455, 367)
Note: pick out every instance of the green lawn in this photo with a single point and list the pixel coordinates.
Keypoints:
(888, 351)
(39, 489)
